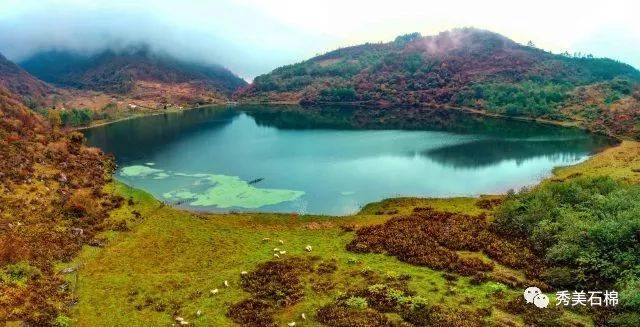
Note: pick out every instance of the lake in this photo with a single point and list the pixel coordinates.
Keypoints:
(331, 160)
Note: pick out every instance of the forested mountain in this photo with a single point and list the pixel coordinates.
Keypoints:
(137, 72)
(18, 82)
(466, 68)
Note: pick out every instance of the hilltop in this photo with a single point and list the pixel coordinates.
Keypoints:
(73, 89)
(136, 72)
(21, 84)
(464, 68)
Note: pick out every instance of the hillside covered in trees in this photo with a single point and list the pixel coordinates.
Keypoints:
(118, 71)
(73, 90)
(464, 68)
(21, 84)
(137, 72)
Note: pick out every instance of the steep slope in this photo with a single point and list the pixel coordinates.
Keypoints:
(17, 81)
(51, 203)
(15, 118)
(137, 72)
(467, 68)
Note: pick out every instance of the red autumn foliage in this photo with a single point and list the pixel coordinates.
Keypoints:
(252, 313)
(50, 204)
(432, 238)
(336, 315)
(368, 306)
(278, 281)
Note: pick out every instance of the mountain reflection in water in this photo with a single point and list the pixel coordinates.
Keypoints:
(332, 160)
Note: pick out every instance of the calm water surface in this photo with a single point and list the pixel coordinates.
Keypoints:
(331, 160)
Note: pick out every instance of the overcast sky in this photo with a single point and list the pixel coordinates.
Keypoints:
(252, 37)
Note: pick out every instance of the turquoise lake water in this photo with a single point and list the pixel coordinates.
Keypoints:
(331, 160)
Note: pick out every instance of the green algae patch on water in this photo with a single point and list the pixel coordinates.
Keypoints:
(138, 171)
(208, 190)
(231, 191)
(161, 175)
(181, 194)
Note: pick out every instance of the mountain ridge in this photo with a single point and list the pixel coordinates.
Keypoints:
(115, 71)
(77, 90)
(134, 75)
(464, 68)
(22, 84)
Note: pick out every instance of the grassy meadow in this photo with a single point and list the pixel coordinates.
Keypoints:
(163, 263)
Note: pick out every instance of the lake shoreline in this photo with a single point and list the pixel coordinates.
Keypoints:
(142, 115)
(522, 143)
(565, 124)
(163, 244)
(553, 175)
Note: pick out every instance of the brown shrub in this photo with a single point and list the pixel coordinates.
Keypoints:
(322, 286)
(57, 150)
(532, 315)
(65, 210)
(488, 204)
(115, 202)
(327, 267)
(277, 280)
(422, 209)
(37, 301)
(252, 313)
(119, 225)
(348, 227)
(472, 266)
(337, 315)
(82, 203)
(511, 254)
(479, 278)
(380, 297)
(440, 316)
(13, 248)
(432, 238)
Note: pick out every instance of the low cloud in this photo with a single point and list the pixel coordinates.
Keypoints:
(252, 37)
(247, 43)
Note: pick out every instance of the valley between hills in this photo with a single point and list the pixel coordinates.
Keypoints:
(80, 248)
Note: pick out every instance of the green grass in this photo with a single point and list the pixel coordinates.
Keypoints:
(169, 259)
(173, 258)
(621, 163)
